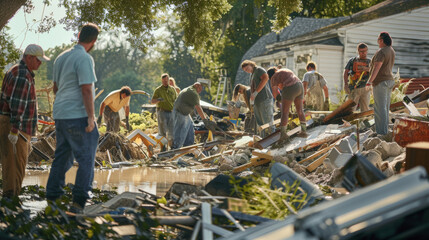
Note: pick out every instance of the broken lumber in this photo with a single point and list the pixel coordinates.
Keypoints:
(320, 142)
(274, 137)
(263, 154)
(204, 145)
(209, 158)
(317, 163)
(320, 152)
(253, 162)
(344, 109)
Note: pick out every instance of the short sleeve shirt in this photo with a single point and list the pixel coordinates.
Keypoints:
(114, 101)
(72, 69)
(168, 94)
(255, 79)
(386, 55)
(312, 76)
(284, 76)
(187, 100)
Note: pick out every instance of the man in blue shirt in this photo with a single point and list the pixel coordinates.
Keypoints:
(76, 130)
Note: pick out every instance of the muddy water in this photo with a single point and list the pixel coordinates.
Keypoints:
(154, 180)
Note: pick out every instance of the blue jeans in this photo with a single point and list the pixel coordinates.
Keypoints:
(183, 131)
(73, 143)
(264, 113)
(165, 124)
(382, 94)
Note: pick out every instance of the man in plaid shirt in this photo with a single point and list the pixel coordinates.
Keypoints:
(18, 117)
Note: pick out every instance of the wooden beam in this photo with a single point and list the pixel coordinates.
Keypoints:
(317, 163)
(274, 137)
(345, 108)
(265, 155)
(320, 152)
(209, 158)
(252, 163)
(320, 142)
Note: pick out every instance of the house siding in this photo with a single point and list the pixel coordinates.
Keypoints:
(410, 34)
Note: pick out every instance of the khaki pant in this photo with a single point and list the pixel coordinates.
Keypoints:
(13, 165)
(360, 96)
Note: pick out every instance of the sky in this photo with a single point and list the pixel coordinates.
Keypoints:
(23, 26)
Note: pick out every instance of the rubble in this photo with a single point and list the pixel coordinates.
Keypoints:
(337, 158)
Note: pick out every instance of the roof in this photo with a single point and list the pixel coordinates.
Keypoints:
(298, 26)
(309, 27)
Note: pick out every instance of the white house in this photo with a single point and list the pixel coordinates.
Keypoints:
(332, 42)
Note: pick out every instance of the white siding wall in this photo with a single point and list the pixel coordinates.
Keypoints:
(410, 34)
(329, 64)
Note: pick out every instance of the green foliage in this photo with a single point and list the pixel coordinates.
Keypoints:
(142, 121)
(274, 204)
(332, 8)
(9, 54)
(138, 17)
(177, 58)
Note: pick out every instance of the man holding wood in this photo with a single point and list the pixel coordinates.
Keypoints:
(355, 77)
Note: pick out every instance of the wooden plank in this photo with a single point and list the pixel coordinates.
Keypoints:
(250, 164)
(265, 155)
(320, 152)
(209, 158)
(320, 142)
(354, 116)
(274, 137)
(343, 109)
(266, 125)
(317, 163)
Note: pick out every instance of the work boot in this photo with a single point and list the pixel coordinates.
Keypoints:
(303, 133)
(284, 138)
(76, 208)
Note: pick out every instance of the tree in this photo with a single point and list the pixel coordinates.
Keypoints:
(177, 58)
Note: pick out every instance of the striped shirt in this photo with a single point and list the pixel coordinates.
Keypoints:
(18, 98)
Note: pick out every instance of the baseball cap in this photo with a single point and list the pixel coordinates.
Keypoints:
(37, 51)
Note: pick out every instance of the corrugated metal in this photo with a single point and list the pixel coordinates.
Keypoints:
(416, 84)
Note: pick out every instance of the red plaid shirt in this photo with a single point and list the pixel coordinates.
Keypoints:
(18, 98)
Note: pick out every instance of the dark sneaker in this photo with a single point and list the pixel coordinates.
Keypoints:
(76, 208)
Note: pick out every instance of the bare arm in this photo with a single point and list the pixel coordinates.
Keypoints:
(102, 106)
(154, 101)
(88, 101)
(346, 78)
(377, 66)
(200, 111)
(127, 110)
(264, 80)
(305, 84)
(325, 90)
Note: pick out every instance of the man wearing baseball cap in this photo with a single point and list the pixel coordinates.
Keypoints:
(18, 118)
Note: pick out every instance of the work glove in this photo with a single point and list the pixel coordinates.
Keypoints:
(326, 104)
(99, 120)
(127, 123)
(13, 137)
(252, 97)
(210, 125)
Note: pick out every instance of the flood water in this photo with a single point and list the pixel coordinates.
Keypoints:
(131, 179)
